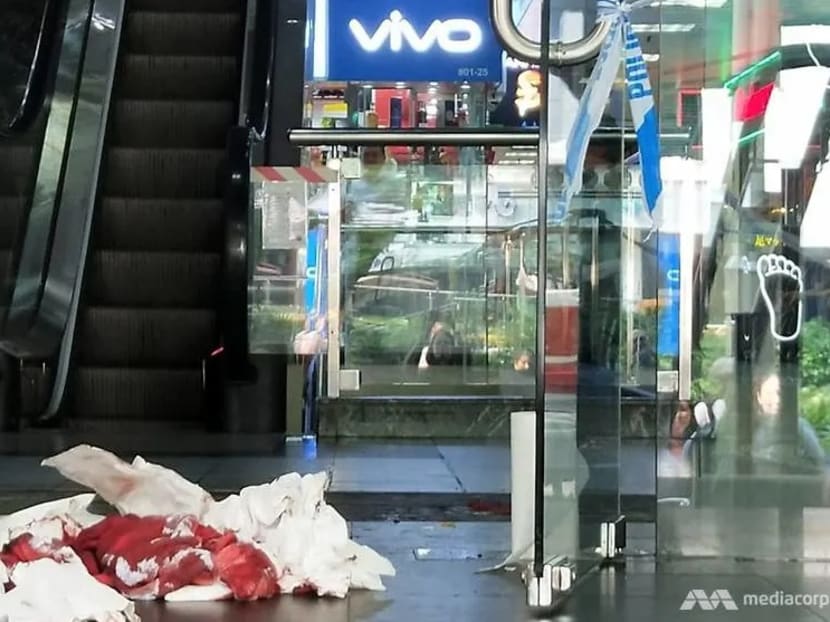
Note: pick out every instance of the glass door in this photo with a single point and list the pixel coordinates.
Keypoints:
(743, 466)
(431, 297)
(587, 291)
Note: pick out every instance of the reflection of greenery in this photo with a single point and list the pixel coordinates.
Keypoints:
(369, 245)
(815, 377)
(493, 338)
(382, 340)
(274, 326)
(815, 353)
(714, 344)
(814, 398)
(815, 408)
(511, 331)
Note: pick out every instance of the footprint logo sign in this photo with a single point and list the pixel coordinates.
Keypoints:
(769, 267)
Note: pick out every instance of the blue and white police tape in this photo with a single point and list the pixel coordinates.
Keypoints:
(621, 43)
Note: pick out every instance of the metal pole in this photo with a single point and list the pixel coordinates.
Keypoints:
(460, 137)
(333, 269)
(541, 295)
(304, 137)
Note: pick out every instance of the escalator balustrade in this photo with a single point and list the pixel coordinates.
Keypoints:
(149, 312)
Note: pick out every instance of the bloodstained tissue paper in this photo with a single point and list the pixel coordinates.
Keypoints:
(171, 540)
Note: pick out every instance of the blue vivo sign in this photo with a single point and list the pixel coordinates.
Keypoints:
(406, 40)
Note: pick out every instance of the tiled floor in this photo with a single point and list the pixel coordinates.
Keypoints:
(438, 562)
(438, 579)
(400, 467)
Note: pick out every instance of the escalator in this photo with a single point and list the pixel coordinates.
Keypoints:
(148, 317)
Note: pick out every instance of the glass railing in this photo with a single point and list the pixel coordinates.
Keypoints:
(287, 246)
(25, 76)
(47, 266)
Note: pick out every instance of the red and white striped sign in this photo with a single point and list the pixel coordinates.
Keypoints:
(279, 174)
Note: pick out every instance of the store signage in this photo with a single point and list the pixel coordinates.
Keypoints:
(453, 36)
(407, 41)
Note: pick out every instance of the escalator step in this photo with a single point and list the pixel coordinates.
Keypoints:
(164, 173)
(208, 34)
(125, 393)
(178, 77)
(159, 225)
(11, 211)
(146, 337)
(192, 124)
(17, 164)
(186, 6)
(159, 280)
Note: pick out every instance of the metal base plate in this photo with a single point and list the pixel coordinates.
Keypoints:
(552, 588)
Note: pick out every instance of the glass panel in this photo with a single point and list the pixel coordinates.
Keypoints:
(431, 271)
(34, 116)
(19, 35)
(743, 469)
(586, 292)
(287, 287)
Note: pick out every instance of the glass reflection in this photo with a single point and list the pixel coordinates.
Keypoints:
(753, 465)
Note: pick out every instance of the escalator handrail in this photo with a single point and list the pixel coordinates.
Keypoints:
(245, 146)
(265, 48)
(33, 92)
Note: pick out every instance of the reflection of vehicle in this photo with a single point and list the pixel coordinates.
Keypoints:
(457, 262)
(394, 295)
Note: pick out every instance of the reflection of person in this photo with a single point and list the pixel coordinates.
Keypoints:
(644, 358)
(528, 96)
(378, 183)
(440, 346)
(523, 361)
(770, 452)
(803, 454)
(675, 458)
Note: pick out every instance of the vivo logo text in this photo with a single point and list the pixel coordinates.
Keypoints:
(453, 36)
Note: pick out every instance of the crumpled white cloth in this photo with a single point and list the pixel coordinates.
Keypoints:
(140, 488)
(47, 517)
(48, 591)
(306, 539)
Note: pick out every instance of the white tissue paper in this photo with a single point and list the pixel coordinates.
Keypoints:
(72, 508)
(48, 591)
(306, 539)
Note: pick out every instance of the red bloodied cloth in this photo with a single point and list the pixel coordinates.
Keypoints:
(146, 558)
